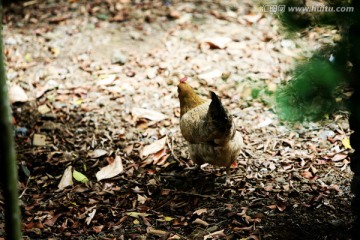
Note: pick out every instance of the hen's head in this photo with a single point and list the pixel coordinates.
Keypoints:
(183, 88)
(187, 96)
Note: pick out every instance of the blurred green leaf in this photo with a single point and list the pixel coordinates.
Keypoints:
(80, 177)
(311, 93)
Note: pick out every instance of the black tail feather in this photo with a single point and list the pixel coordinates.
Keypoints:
(218, 114)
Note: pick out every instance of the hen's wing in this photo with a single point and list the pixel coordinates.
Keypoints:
(220, 121)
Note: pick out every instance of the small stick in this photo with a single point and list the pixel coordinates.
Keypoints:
(26, 186)
(173, 154)
(194, 194)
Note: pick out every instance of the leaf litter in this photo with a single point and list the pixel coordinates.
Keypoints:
(114, 125)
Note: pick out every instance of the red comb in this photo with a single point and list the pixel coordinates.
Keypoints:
(183, 80)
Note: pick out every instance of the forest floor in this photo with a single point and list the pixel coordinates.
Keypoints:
(93, 83)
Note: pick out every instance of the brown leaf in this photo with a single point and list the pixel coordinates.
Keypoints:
(252, 18)
(111, 170)
(105, 80)
(339, 157)
(128, 149)
(97, 153)
(165, 192)
(39, 140)
(154, 147)
(98, 229)
(200, 211)
(272, 207)
(91, 215)
(174, 13)
(66, 179)
(238, 229)
(51, 221)
(217, 42)
(17, 94)
(163, 160)
(268, 188)
(281, 206)
(307, 174)
(120, 17)
(210, 75)
(147, 161)
(158, 155)
(217, 234)
(200, 222)
(148, 114)
(156, 232)
(58, 19)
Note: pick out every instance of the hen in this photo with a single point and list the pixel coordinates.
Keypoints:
(209, 129)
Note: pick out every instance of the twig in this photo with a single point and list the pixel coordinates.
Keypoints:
(328, 173)
(23, 192)
(173, 154)
(195, 194)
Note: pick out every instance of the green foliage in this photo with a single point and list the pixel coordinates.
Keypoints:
(255, 93)
(296, 20)
(311, 93)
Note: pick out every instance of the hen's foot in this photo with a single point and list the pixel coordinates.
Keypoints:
(195, 168)
(192, 170)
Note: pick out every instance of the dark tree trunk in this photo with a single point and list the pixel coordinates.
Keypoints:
(8, 172)
(354, 119)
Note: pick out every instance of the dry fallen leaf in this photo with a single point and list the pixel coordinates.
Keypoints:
(281, 206)
(162, 160)
(339, 157)
(90, 216)
(97, 153)
(66, 179)
(137, 214)
(17, 94)
(39, 140)
(158, 155)
(217, 234)
(148, 114)
(307, 174)
(105, 80)
(210, 75)
(111, 170)
(51, 221)
(141, 199)
(154, 147)
(200, 211)
(98, 229)
(157, 232)
(175, 237)
(200, 222)
(218, 42)
(252, 18)
(41, 90)
(346, 143)
(43, 109)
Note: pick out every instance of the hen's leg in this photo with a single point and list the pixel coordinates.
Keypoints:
(228, 177)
